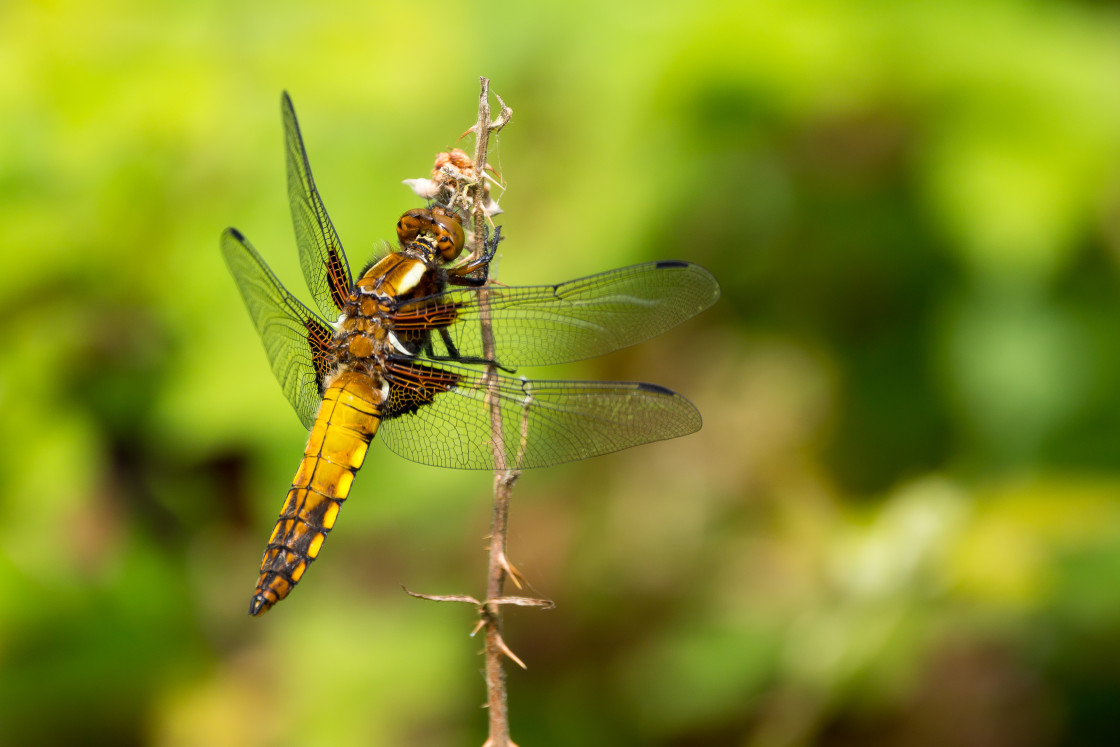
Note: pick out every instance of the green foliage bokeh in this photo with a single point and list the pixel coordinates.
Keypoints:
(900, 523)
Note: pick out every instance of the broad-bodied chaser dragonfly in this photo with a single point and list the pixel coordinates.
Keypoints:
(402, 352)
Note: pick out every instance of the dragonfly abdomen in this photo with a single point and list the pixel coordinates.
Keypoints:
(347, 420)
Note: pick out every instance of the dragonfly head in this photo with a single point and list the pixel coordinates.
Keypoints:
(439, 229)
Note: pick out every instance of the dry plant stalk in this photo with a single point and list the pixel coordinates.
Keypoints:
(476, 194)
(504, 478)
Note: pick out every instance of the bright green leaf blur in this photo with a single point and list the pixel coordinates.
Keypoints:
(900, 523)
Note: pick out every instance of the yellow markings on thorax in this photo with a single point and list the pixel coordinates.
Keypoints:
(375, 276)
(410, 277)
(393, 276)
(336, 447)
(369, 307)
(361, 346)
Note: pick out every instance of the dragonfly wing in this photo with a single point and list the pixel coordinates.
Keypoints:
(295, 338)
(548, 324)
(320, 251)
(440, 415)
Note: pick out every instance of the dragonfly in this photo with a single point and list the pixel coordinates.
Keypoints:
(423, 351)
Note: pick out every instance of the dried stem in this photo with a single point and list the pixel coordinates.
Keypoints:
(505, 474)
(504, 477)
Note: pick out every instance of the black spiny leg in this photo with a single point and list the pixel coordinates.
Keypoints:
(459, 275)
(452, 351)
(453, 355)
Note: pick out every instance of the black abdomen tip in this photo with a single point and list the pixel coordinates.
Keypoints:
(258, 604)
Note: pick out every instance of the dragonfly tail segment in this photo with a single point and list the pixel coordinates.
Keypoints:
(346, 423)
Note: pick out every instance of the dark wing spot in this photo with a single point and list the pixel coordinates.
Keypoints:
(318, 340)
(670, 264)
(425, 317)
(336, 278)
(412, 386)
(655, 389)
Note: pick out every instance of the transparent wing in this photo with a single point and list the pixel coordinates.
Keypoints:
(320, 252)
(294, 338)
(547, 324)
(439, 415)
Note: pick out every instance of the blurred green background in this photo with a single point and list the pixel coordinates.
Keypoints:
(899, 525)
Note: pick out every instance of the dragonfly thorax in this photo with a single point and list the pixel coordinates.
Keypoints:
(364, 336)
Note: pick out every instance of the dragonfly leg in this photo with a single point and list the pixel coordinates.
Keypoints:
(453, 355)
(462, 275)
(452, 351)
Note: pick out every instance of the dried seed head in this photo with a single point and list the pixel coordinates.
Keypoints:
(453, 175)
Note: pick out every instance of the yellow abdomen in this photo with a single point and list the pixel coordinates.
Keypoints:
(348, 418)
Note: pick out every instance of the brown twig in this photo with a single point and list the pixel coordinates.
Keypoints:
(504, 477)
(482, 129)
(505, 474)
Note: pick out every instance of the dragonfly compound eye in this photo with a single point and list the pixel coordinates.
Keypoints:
(412, 223)
(449, 233)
